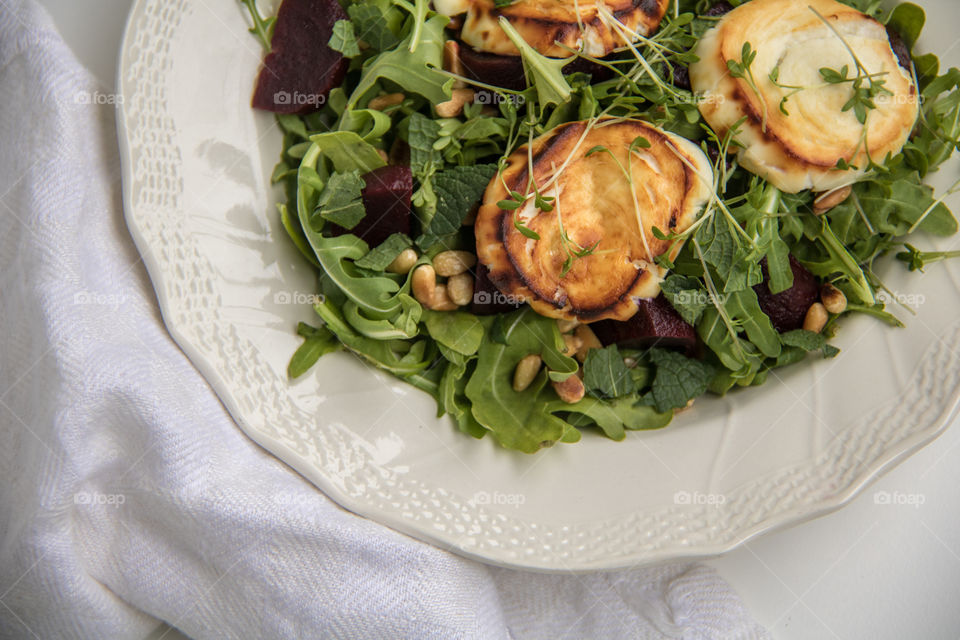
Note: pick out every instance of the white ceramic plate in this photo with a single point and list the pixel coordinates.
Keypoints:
(196, 164)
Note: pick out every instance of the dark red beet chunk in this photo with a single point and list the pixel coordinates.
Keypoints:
(489, 68)
(787, 309)
(386, 199)
(507, 71)
(656, 324)
(719, 9)
(487, 299)
(900, 49)
(301, 69)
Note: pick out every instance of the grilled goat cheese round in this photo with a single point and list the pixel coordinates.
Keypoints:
(800, 149)
(585, 167)
(599, 25)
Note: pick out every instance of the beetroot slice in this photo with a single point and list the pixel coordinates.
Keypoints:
(386, 199)
(487, 298)
(656, 324)
(507, 71)
(301, 69)
(787, 309)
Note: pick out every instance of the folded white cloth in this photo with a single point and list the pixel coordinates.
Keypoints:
(130, 497)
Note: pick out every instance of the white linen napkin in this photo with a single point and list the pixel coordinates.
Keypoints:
(130, 497)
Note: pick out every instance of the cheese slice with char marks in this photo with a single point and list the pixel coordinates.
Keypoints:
(597, 206)
(801, 150)
(542, 23)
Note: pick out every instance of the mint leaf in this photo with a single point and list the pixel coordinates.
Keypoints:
(422, 132)
(343, 39)
(809, 341)
(678, 380)
(340, 200)
(373, 26)
(685, 294)
(457, 190)
(605, 374)
(383, 254)
(719, 241)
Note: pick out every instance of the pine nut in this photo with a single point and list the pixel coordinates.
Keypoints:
(526, 371)
(816, 318)
(386, 100)
(460, 288)
(570, 390)
(441, 300)
(829, 199)
(454, 106)
(833, 299)
(403, 262)
(451, 263)
(571, 344)
(588, 340)
(424, 284)
(452, 62)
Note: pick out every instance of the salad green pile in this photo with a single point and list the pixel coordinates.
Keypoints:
(466, 362)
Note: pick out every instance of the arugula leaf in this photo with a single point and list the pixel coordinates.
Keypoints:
(457, 330)
(544, 74)
(907, 19)
(377, 294)
(348, 151)
(292, 227)
(613, 417)
(452, 399)
(262, 27)
(399, 326)
(399, 357)
(343, 39)
(416, 71)
(678, 380)
(605, 374)
(519, 420)
(386, 252)
(340, 200)
(744, 308)
(317, 342)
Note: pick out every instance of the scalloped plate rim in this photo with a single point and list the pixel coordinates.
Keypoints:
(794, 516)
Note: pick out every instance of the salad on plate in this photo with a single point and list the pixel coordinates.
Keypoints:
(558, 215)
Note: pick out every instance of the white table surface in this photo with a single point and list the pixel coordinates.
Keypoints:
(871, 570)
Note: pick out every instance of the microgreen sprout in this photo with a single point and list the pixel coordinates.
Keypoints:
(742, 70)
(916, 259)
